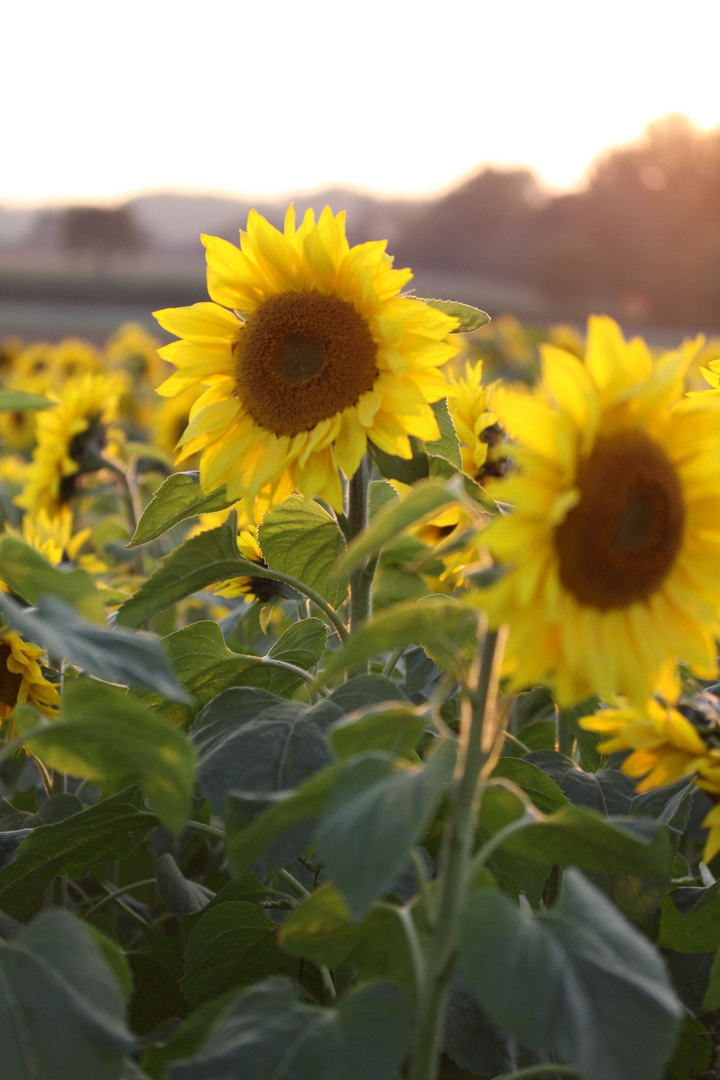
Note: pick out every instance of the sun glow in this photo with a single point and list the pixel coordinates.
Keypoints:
(113, 105)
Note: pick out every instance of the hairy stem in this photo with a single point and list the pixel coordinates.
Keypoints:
(479, 706)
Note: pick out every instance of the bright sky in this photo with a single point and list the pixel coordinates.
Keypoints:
(266, 98)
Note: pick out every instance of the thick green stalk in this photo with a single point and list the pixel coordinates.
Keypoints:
(455, 875)
(361, 578)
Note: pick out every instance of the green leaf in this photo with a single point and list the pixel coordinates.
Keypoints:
(118, 656)
(373, 817)
(277, 826)
(380, 495)
(712, 994)
(103, 735)
(111, 830)
(396, 730)
(695, 930)
(202, 560)
(693, 1051)
(61, 1009)
(424, 501)
(205, 665)
(157, 969)
(22, 401)
(115, 959)
(471, 318)
(251, 741)
(406, 470)
(29, 575)
(543, 791)
(576, 980)
(267, 1032)
(445, 629)
(579, 837)
(321, 929)
(608, 791)
(363, 690)
(178, 498)
(232, 945)
(180, 896)
(444, 458)
(299, 538)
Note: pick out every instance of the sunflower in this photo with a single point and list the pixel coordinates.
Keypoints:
(134, 350)
(54, 537)
(317, 355)
(70, 441)
(668, 745)
(72, 357)
(21, 677)
(613, 549)
(482, 440)
(250, 587)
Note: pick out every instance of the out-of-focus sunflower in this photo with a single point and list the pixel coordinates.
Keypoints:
(33, 367)
(318, 355)
(21, 678)
(613, 548)
(10, 349)
(134, 350)
(71, 438)
(171, 418)
(668, 746)
(17, 428)
(482, 441)
(248, 586)
(54, 536)
(72, 357)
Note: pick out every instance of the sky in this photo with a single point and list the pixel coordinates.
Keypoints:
(102, 101)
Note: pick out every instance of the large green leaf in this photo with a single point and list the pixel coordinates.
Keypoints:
(444, 458)
(104, 735)
(28, 574)
(266, 1032)
(178, 498)
(321, 929)
(111, 830)
(201, 561)
(299, 538)
(61, 1009)
(394, 728)
(375, 814)
(361, 691)
(577, 980)
(232, 945)
(696, 928)
(250, 741)
(22, 401)
(579, 837)
(445, 629)
(274, 828)
(470, 318)
(205, 665)
(543, 791)
(116, 655)
(424, 501)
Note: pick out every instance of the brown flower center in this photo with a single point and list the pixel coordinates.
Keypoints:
(620, 541)
(303, 357)
(10, 682)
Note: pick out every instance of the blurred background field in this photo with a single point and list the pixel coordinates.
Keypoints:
(639, 239)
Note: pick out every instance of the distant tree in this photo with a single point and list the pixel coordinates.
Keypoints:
(100, 233)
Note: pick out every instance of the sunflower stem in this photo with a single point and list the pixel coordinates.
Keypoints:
(456, 877)
(361, 579)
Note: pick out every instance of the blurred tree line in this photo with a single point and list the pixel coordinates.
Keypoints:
(642, 239)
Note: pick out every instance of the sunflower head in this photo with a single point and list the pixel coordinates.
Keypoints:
(668, 743)
(21, 678)
(307, 351)
(71, 438)
(613, 547)
(482, 441)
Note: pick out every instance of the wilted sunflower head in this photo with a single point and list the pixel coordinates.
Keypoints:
(613, 547)
(317, 354)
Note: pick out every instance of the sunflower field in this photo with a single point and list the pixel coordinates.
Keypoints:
(359, 691)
